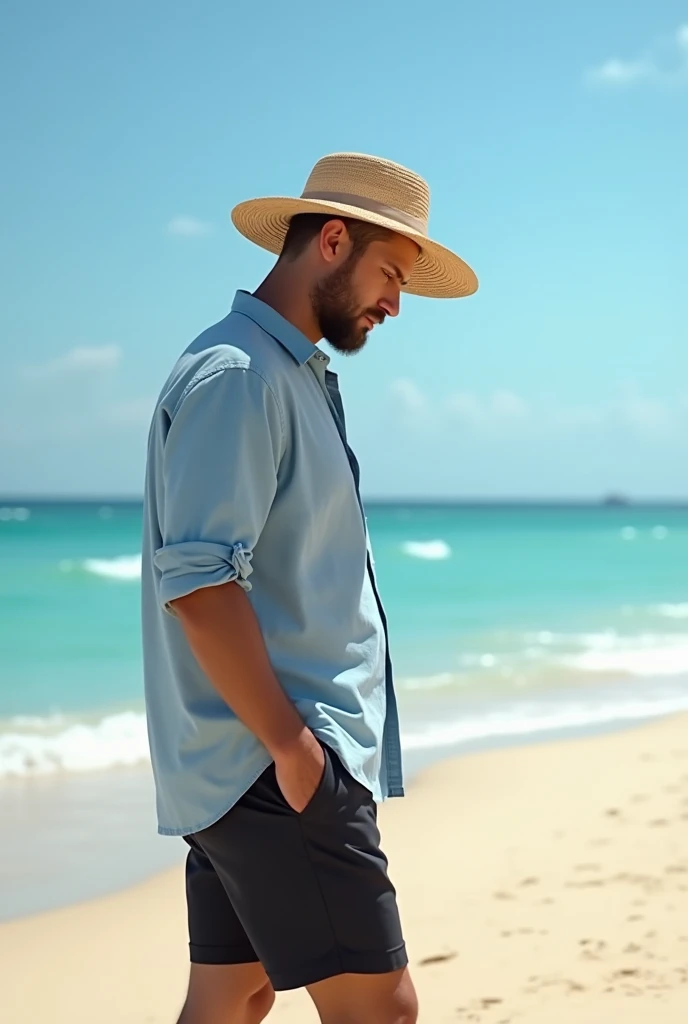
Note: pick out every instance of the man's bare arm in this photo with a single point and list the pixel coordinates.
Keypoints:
(223, 633)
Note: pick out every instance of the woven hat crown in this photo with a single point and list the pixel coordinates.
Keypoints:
(381, 181)
(370, 189)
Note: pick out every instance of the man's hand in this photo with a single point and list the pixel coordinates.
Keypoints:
(299, 771)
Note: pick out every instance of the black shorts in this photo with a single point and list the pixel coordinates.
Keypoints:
(307, 894)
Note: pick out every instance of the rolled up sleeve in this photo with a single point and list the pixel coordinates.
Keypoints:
(219, 467)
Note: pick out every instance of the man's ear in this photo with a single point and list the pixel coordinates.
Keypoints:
(333, 239)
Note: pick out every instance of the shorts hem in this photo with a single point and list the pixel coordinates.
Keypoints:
(339, 962)
(220, 955)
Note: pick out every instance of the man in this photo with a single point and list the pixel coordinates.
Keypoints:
(272, 718)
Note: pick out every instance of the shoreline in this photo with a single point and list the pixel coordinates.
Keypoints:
(113, 814)
(541, 882)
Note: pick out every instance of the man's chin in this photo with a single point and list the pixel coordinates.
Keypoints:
(349, 346)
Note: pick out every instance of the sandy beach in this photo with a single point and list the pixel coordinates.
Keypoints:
(541, 884)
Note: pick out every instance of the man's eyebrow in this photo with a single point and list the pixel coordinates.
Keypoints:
(400, 277)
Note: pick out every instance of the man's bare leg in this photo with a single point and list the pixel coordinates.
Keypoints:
(227, 994)
(366, 999)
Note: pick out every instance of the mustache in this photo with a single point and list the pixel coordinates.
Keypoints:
(375, 315)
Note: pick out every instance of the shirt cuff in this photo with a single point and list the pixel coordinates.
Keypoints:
(194, 564)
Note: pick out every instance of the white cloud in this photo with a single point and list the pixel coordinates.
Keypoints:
(645, 415)
(82, 359)
(621, 72)
(575, 417)
(505, 411)
(466, 407)
(507, 405)
(500, 407)
(665, 63)
(410, 396)
(189, 227)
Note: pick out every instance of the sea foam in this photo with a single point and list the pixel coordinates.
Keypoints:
(31, 746)
(124, 568)
(522, 720)
(432, 550)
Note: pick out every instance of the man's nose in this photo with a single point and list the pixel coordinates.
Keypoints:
(389, 306)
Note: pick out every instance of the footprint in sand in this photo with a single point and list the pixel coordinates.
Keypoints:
(539, 983)
(592, 950)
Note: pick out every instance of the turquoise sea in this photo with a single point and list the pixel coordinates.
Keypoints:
(505, 621)
(508, 624)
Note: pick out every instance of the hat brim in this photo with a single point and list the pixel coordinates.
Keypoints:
(438, 272)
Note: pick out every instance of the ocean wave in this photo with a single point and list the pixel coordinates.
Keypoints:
(634, 659)
(640, 654)
(548, 660)
(432, 550)
(19, 514)
(532, 720)
(123, 568)
(671, 611)
(42, 748)
(33, 747)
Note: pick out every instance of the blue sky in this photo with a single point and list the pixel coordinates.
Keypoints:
(554, 140)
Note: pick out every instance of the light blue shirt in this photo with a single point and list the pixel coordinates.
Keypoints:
(250, 479)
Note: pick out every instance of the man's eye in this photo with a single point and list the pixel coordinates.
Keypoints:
(387, 274)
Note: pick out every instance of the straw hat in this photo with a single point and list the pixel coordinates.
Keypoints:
(371, 189)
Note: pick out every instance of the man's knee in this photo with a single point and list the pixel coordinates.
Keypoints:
(228, 994)
(261, 1002)
(367, 999)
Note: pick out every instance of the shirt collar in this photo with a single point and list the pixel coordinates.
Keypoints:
(274, 324)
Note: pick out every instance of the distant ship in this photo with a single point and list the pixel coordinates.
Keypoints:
(616, 499)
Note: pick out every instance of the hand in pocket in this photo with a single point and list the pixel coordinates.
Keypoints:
(299, 772)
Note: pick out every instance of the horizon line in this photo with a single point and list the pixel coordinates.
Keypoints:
(611, 500)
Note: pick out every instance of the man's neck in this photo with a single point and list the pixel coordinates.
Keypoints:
(286, 295)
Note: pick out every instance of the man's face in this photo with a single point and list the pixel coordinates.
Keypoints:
(360, 292)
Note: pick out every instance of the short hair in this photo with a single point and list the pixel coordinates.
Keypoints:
(304, 227)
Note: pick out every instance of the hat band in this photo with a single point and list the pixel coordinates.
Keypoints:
(390, 212)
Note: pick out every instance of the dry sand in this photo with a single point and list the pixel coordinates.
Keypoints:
(547, 885)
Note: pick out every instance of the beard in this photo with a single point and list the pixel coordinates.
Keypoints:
(337, 312)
